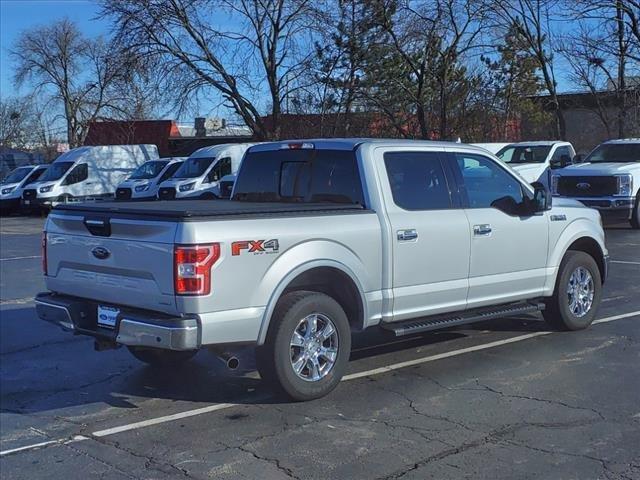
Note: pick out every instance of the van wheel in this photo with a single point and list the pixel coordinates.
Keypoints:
(635, 216)
(158, 357)
(577, 295)
(308, 346)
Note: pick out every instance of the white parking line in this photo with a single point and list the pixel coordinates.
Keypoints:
(20, 258)
(346, 378)
(625, 262)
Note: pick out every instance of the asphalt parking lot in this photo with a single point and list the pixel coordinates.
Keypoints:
(502, 399)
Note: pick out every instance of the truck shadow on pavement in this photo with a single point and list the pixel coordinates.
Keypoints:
(44, 370)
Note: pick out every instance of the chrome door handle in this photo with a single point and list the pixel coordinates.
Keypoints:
(407, 235)
(482, 230)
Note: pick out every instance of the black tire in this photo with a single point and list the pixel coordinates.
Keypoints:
(635, 216)
(273, 359)
(158, 357)
(557, 312)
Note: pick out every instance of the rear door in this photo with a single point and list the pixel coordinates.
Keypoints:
(508, 252)
(122, 261)
(430, 233)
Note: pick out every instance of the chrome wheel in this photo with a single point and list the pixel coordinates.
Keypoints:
(314, 347)
(580, 292)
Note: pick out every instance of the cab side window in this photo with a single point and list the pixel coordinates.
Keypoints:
(222, 168)
(417, 180)
(78, 174)
(169, 172)
(34, 176)
(561, 152)
(485, 181)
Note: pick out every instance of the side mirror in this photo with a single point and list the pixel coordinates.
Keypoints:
(541, 198)
(578, 159)
(508, 205)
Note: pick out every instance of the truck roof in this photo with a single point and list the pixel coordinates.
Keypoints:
(353, 143)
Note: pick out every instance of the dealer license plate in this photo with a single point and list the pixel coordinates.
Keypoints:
(107, 316)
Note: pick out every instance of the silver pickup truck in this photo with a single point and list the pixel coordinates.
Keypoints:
(321, 239)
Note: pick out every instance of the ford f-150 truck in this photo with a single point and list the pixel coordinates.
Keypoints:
(608, 179)
(320, 239)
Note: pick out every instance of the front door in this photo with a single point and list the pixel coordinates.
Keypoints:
(508, 252)
(429, 234)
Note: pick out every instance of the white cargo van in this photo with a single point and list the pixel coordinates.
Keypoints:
(144, 182)
(12, 186)
(87, 173)
(201, 174)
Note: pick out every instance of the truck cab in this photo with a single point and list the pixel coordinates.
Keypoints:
(608, 179)
(535, 160)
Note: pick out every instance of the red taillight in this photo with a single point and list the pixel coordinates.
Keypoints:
(192, 268)
(44, 253)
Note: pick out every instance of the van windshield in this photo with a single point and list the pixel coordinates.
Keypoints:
(148, 170)
(193, 167)
(618, 153)
(523, 154)
(56, 171)
(17, 175)
(300, 176)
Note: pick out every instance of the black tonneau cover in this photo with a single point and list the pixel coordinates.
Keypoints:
(203, 209)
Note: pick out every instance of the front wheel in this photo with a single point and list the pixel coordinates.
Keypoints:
(158, 357)
(577, 295)
(308, 346)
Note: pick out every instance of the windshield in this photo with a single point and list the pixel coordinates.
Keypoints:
(193, 167)
(523, 154)
(17, 175)
(148, 170)
(612, 152)
(301, 176)
(56, 171)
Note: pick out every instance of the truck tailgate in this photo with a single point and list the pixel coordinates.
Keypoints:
(112, 260)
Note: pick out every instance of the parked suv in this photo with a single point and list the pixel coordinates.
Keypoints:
(608, 179)
(323, 238)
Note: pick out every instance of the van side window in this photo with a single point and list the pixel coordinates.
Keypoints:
(222, 168)
(485, 181)
(417, 180)
(78, 174)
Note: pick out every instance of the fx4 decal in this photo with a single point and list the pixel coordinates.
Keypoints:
(255, 246)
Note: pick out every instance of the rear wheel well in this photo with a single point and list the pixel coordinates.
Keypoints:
(589, 246)
(338, 285)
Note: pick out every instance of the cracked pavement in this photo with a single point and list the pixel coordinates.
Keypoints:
(559, 406)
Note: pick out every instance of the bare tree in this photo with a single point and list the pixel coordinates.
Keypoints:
(603, 53)
(532, 19)
(263, 50)
(14, 122)
(75, 72)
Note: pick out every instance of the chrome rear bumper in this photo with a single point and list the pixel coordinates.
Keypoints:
(140, 328)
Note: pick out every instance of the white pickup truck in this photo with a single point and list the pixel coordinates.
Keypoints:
(323, 238)
(608, 179)
(535, 160)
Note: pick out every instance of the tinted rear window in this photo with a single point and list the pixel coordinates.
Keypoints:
(303, 176)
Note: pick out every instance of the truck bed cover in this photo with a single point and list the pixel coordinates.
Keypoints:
(185, 210)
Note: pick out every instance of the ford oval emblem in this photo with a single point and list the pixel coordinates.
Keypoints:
(101, 253)
(583, 186)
